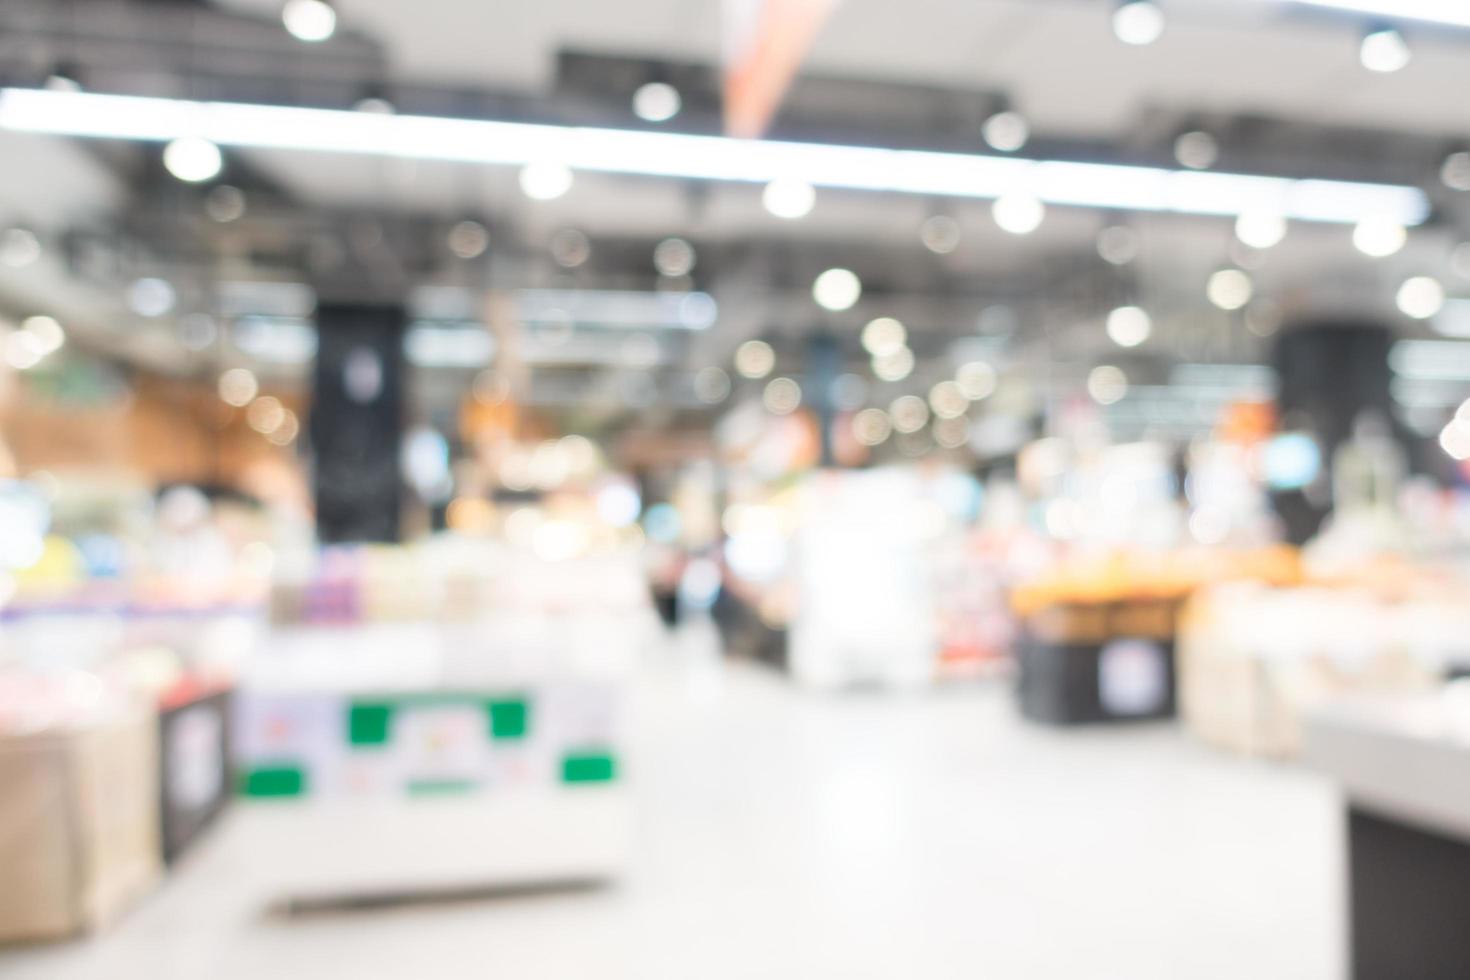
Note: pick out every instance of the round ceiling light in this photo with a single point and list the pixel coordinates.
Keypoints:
(48, 333)
(468, 239)
(909, 413)
(546, 180)
(657, 102)
(193, 159)
(1019, 214)
(1129, 326)
(1260, 229)
(1006, 131)
(782, 396)
(837, 290)
(1379, 238)
(1117, 244)
(755, 359)
(940, 234)
(1107, 384)
(1455, 171)
(1230, 289)
(1138, 22)
(789, 198)
(871, 426)
(1385, 51)
(948, 400)
(895, 366)
(309, 20)
(19, 247)
(884, 336)
(238, 387)
(673, 257)
(1421, 297)
(977, 380)
(1196, 150)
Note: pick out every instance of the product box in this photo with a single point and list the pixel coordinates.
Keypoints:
(79, 826)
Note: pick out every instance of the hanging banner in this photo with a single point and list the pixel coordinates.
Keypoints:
(765, 42)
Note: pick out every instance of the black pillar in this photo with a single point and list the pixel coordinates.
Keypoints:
(823, 365)
(357, 421)
(1331, 372)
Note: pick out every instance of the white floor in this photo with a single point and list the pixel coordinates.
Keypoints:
(861, 836)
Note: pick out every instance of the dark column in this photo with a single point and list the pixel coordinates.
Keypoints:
(1409, 892)
(1331, 372)
(357, 421)
(823, 365)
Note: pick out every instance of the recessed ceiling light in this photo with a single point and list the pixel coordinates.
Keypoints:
(781, 396)
(909, 413)
(895, 366)
(940, 234)
(1230, 289)
(977, 380)
(884, 336)
(1117, 244)
(225, 203)
(48, 333)
(1260, 229)
(1379, 239)
(238, 387)
(546, 180)
(1455, 171)
(1107, 384)
(789, 198)
(19, 247)
(837, 290)
(1129, 326)
(309, 20)
(1421, 297)
(657, 102)
(871, 426)
(1385, 51)
(673, 257)
(948, 400)
(754, 359)
(1006, 131)
(1138, 22)
(1197, 150)
(1019, 214)
(468, 239)
(193, 159)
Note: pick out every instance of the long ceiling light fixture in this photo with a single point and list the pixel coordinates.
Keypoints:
(686, 156)
(1453, 12)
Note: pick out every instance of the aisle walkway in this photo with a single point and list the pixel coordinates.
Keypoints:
(787, 835)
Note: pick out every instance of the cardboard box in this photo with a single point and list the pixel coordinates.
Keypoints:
(79, 827)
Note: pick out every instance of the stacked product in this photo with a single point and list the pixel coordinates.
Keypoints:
(79, 830)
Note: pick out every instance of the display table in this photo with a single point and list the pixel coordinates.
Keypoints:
(1255, 660)
(1105, 662)
(1404, 766)
(399, 759)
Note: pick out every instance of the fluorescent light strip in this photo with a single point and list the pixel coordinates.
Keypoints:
(1453, 12)
(687, 156)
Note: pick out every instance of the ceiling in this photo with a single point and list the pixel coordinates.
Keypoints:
(1280, 84)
